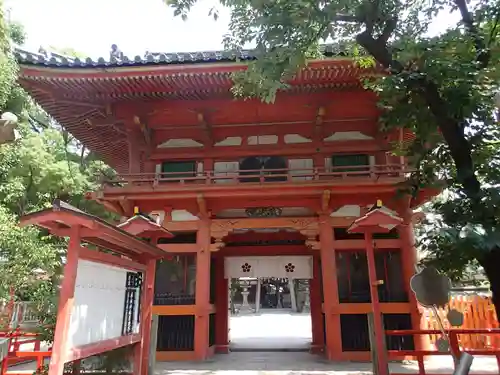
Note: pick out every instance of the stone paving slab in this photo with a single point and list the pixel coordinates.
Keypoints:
(264, 363)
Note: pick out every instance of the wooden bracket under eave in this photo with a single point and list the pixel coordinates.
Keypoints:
(127, 206)
(320, 114)
(313, 244)
(206, 127)
(202, 206)
(146, 132)
(214, 247)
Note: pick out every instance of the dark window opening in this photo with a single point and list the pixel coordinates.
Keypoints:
(354, 332)
(343, 234)
(175, 280)
(213, 275)
(270, 168)
(175, 171)
(393, 234)
(389, 268)
(350, 163)
(179, 238)
(353, 279)
(175, 333)
(396, 322)
(211, 329)
(133, 284)
(250, 167)
(352, 275)
(255, 166)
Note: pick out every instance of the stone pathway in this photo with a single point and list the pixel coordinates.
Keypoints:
(274, 330)
(265, 363)
(270, 330)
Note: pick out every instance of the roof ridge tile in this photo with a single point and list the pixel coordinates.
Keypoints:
(150, 58)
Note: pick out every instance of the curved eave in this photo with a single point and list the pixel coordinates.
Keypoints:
(43, 71)
(185, 82)
(73, 95)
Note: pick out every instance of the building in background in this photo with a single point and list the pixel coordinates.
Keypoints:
(302, 189)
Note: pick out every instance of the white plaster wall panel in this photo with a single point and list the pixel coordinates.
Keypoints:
(183, 215)
(158, 215)
(180, 143)
(262, 140)
(296, 138)
(301, 169)
(199, 167)
(270, 266)
(225, 168)
(347, 136)
(99, 300)
(371, 159)
(328, 164)
(230, 141)
(349, 210)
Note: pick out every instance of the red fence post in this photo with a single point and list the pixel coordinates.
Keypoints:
(454, 345)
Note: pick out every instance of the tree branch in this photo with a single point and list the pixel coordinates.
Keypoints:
(483, 53)
(451, 129)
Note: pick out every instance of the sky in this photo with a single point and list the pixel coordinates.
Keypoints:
(91, 26)
(136, 26)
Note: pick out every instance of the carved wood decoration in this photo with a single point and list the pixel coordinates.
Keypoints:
(308, 226)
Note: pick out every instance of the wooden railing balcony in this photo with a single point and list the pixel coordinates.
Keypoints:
(341, 175)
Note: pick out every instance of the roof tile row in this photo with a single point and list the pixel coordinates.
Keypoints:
(57, 60)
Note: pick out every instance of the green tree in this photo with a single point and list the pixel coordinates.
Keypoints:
(44, 164)
(440, 87)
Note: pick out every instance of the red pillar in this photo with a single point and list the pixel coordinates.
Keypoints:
(141, 360)
(66, 300)
(377, 315)
(318, 337)
(333, 348)
(221, 308)
(201, 326)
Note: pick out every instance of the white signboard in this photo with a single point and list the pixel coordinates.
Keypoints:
(99, 304)
(292, 267)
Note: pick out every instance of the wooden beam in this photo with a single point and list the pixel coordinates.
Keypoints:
(110, 260)
(277, 191)
(192, 226)
(226, 226)
(89, 350)
(174, 248)
(222, 152)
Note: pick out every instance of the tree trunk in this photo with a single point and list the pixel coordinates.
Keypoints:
(490, 264)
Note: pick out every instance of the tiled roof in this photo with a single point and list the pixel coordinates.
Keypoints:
(150, 58)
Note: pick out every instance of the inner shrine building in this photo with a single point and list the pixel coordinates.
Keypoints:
(304, 188)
